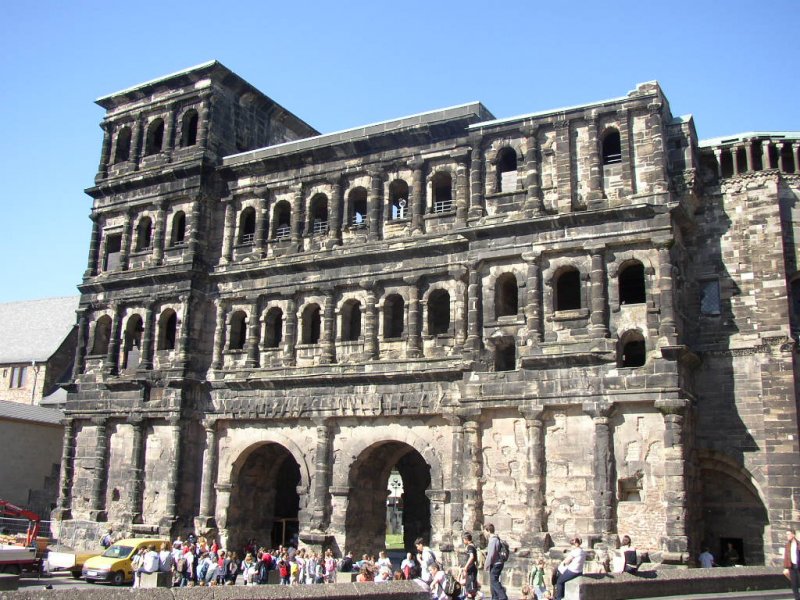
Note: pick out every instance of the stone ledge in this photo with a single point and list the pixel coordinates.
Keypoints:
(395, 590)
(675, 582)
(8, 582)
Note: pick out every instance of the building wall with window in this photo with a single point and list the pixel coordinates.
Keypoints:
(572, 322)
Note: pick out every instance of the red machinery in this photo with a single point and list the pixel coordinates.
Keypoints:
(14, 557)
(12, 510)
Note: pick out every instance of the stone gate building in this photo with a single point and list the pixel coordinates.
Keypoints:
(576, 321)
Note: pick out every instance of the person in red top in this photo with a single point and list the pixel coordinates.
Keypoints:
(791, 560)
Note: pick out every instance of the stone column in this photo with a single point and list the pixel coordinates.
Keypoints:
(253, 323)
(173, 474)
(136, 142)
(112, 354)
(457, 476)
(328, 329)
(375, 202)
(414, 338)
(417, 197)
(604, 496)
(94, 247)
(261, 212)
(595, 194)
(781, 166)
(137, 468)
(718, 155)
(655, 129)
(125, 248)
(460, 321)
(334, 212)
(749, 155)
(474, 304)
(675, 479)
(219, 337)
(462, 194)
(765, 157)
(158, 234)
(564, 165)
(205, 519)
(105, 152)
(97, 507)
(476, 194)
(796, 157)
(183, 338)
(80, 351)
(229, 231)
(148, 337)
(625, 143)
(598, 326)
(64, 507)
(323, 468)
(534, 473)
(533, 297)
(667, 328)
(296, 221)
(194, 228)
(533, 196)
(169, 128)
(735, 159)
(371, 325)
(473, 492)
(203, 119)
(290, 343)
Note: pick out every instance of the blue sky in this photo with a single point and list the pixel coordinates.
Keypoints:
(733, 64)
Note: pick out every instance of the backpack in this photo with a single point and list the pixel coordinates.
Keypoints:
(451, 586)
(181, 565)
(502, 550)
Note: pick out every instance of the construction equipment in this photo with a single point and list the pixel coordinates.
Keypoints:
(18, 551)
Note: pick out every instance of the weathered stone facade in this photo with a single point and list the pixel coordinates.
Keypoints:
(571, 322)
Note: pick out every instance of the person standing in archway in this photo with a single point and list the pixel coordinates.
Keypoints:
(470, 569)
(494, 564)
(791, 562)
(426, 558)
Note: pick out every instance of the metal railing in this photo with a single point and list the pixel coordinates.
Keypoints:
(441, 206)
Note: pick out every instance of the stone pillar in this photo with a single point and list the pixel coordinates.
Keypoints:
(598, 327)
(194, 228)
(137, 468)
(655, 130)
(534, 474)
(328, 329)
(796, 157)
(749, 155)
(125, 249)
(564, 165)
(457, 476)
(261, 212)
(97, 507)
(169, 128)
(205, 519)
(533, 196)
(667, 328)
(136, 142)
(675, 480)
(604, 496)
(203, 119)
(158, 234)
(417, 197)
(229, 231)
(734, 159)
(460, 309)
(414, 338)
(533, 297)
(334, 212)
(718, 155)
(183, 337)
(626, 143)
(474, 304)
(476, 194)
(173, 475)
(105, 152)
(462, 194)
(94, 247)
(765, 157)
(290, 343)
(148, 337)
(112, 354)
(371, 325)
(595, 194)
(473, 492)
(219, 337)
(296, 221)
(375, 202)
(80, 351)
(64, 506)
(253, 326)
(323, 469)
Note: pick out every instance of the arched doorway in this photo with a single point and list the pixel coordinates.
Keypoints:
(264, 500)
(366, 519)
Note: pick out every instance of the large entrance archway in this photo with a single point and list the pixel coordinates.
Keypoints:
(264, 500)
(365, 523)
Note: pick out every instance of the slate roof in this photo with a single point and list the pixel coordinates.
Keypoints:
(33, 330)
(17, 411)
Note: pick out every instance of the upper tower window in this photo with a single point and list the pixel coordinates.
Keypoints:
(155, 137)
(319, 214)
(113, 251)
(393, 312)
(123, 151)
(612, 148)
(247, 226)
(438, 312)
(311, 324)
(167, 330)
(507, 170)
(358, 207)
(568, 290)
(178, 228)
(144, 234)
(442, 186)
(274, 328)
(506, 296)
(102, 335)
(631, 284)
(351, 321)
(238, 332)
(189, 128)
(398, 198)
(283, 220)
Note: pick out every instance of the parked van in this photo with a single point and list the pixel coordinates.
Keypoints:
(114, 565)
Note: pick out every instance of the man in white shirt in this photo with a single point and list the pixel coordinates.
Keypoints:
(426, 558)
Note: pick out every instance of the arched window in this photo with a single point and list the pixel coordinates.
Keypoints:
(319, 214)
(154, 142)
(133, 342)
(123, 151)
(438, 312)
(398, 198)
(612, 148)
(631, 284)
(568, 290)
(442, 188)
(178, 234)
(247, 226)
(393, 316)
(358, 207)
(189, 128)
(632, 351)
(167, 329)
(274, 328)
(238, 335)
(102, 335)
(113, 251)
(505, 354)
(351, 321)
(283, 220)
(144, 234)
(507, 170)
(311, 324)
(506, 296)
